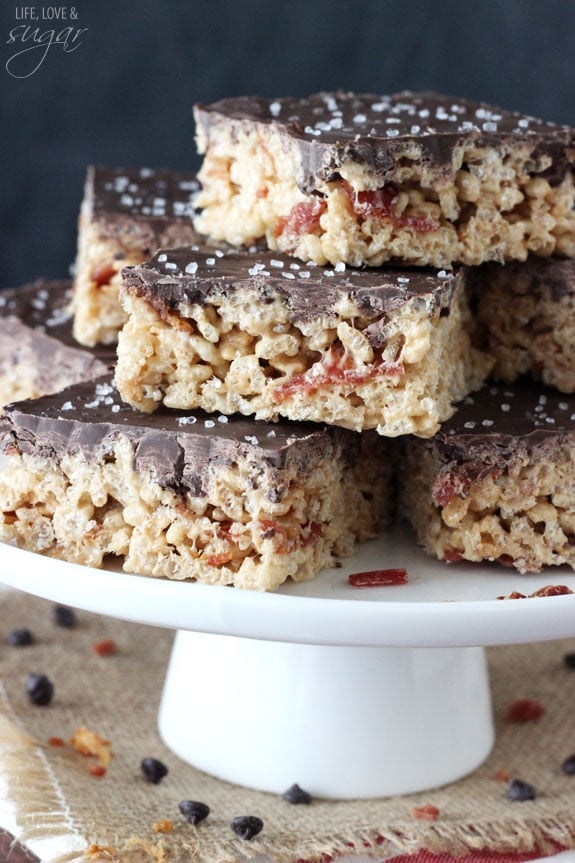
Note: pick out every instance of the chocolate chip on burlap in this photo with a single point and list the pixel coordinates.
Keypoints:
(76, 802)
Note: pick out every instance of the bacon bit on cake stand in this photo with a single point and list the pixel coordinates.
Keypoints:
(378, 577)
(547, 590)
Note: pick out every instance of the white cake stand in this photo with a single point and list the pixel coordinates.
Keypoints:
(351, 693)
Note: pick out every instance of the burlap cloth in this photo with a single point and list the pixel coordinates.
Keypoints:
(51, 792)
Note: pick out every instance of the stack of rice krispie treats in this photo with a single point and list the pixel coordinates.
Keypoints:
(371, 286)
(182, 494)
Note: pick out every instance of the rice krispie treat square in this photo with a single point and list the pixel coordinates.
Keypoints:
(527, 313)
(421, 178)
(126, 214)
(497, 483)
(260, 334)
(38, 353)
(186, 495)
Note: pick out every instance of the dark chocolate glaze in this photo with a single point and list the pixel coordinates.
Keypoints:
(554, 276)
(142, 208)
(43, 305)
(375, 131)
(43, 308)
(177, 447)
(501, 420)
(192, 275)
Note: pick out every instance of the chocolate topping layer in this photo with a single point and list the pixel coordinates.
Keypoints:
(150, 206)
(555, 275)
(44, 307)
(176, 446)
(143, 192)
(500, 420)
(192, 275)
(376, 131)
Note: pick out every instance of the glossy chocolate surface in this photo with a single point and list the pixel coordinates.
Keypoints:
(501, 419)
(142, 209)
(194, 275)
(177, 446)
(43, 311)
(539, 276)
(331, 128)
(142, 192)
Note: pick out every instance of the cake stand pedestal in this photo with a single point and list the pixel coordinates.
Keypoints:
(342, 722)
(349, 693)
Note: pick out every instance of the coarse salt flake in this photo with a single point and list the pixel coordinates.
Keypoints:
(104, 389)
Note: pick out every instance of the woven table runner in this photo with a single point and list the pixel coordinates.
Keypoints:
(108, 677)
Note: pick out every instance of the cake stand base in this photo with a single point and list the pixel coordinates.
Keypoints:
(341, 722)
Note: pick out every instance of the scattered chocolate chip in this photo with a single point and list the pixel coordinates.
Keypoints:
(296, 795)
(20, 637)
(519, 790)
(568, 766)
(194, 811)
(153, 770)
(40, 689)
(65, 617)
(569, 660)
(246, 826)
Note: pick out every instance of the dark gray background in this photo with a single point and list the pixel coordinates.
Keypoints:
(125, 96)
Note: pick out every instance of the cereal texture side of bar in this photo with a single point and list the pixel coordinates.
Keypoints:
(126, 214)
(497, 483)
(186, 496)
(421, 178)
(260, 334)
(527, 313)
